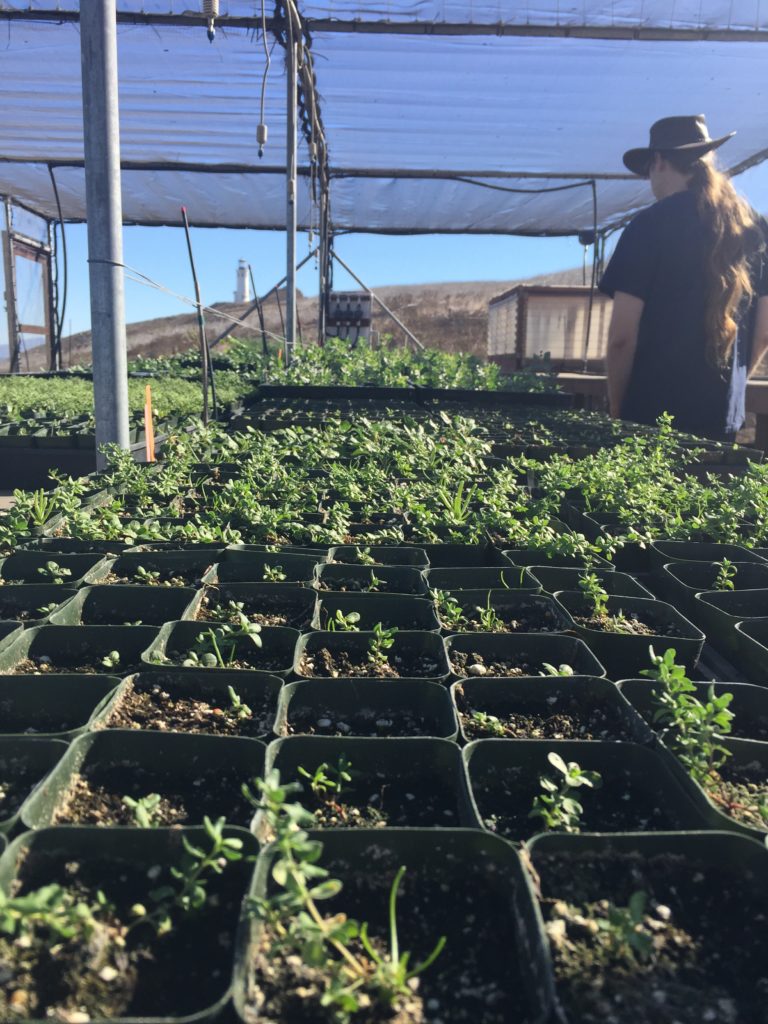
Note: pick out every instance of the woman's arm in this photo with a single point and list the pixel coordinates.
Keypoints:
(622, 342)
(760, 336)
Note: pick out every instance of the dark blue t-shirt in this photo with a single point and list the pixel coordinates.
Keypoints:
(660, 258)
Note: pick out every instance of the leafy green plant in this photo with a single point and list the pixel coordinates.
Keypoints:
(345, 623)
(556, 670)
(489, 621)
(239, 709)
(374, 583)
(328, 779)
(274, 574)
(46, 609)
(449, 611)
(488, 723)
(111, 660)
(146, 810)
(457, 505)
(381, 641)
(556, 807)
(624, 931)
(53, 572)
(217, 648)
(148, 577)
(726, 574)
(590, 586)
(51, 907)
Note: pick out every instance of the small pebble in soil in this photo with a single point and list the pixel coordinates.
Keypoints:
(477, 670)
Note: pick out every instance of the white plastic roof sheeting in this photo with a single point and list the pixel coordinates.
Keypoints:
(511, 111)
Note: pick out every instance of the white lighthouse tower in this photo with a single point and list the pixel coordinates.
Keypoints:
(243, 290)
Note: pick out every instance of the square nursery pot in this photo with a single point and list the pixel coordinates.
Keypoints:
(271, 604)
(389, 609)
(254, 566)
(626, 655)
(29, 566)
(392, 579)
(319, 553)
(501, 577)
(193, 702)
(664, 551)
(714, 886)
(365, 707)
(465, 885)
(189, 970)
(751, 656)
(74, 546)
(24, 762)
(173, 567)
(749, 705)
(25, 603)
(420, 654)
(537, 556)
(126, 606)
(679, 582)
(518, 654)
(717, 612)
(382, 554)
(196, 776)
(577, 708)
(468, 556)
(641, 789)
(10, 631)
(554, 579)
(175, 639)
(44, 650)
(412, 782)
(519, 612)
(55, 706)
(213, 550)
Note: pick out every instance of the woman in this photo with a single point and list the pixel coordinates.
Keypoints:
(687, 279)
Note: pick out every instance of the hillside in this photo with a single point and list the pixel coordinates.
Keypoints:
(450, 315)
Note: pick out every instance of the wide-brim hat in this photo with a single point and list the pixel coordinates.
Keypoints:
(688, 134)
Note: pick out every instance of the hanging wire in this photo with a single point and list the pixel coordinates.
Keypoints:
(59, 325)
(261, 132)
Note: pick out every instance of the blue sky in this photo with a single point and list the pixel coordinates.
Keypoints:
(379, 260)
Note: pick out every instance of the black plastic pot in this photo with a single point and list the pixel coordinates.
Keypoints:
(549, 697)
(409, 644)
(74, 546)
(504, 954)
(507, 577)
(37, 857)
(751, 656)
(679, 582)
(554, 579)
(614, 867)
(163, 760)
(454, 556)
(213, 550)
(749, 704)
(24, 762)
(393, 579)
(319, 553)
(428, 765)
(665, 551)
(250, 567)
(24, 602)
(365, 707)
(48, 707)
(192, 565)
(123, 606)
(69, 647)
(175, 639)
(510, 605)
(505, 776)
(382, 554)
(718, 612)
(619, 651)
(259, 690)
(25, 566)
(297, 604)
(534, 648)
(534, 556)
(389, 609)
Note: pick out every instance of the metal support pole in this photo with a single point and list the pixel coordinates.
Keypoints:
(322, 292)
(10, 291)
(54, 333)
(375, 298)
(290, 209)
(101, 133)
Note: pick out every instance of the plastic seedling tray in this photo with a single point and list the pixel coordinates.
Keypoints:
(24, 762)
(626, 655)
(124, 606)
(533, 613)
(531, 650)
(75, 648)
(25, 602)
(718, 611)
(254, 567)
(507, 577)
(532, 556)
(258, 690)
(295, 604)
(191, 566)
(751, 656)
(74, 546)
(679, 582)
(577, 696)
(640, 787)
(388, 609)
(365, 707)
(55, 706)
(25, 566)
(318, 553)
(664, 551)
(408, 650)
(468, 556)
(389, 579)
(176, 639)
(163, 762)
(554, 579)
(382, 554)
(501, 951)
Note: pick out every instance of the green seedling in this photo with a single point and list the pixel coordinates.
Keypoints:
(53, 572)
(380, 643)
(40, 508)
(149, 577)
(236, 705)
(274, 574)
(345, 623)
(146, 810)
(726, 574)
(375, 583)
(457, 505)
(230, 613)
(111, 660)
(46, 609)
(52, 908)
(217, 648)
(555, 807)
(624, 931)
(488, 723)
(328, 779)
(365, 557)
(449, 611)
(589, 584)
(487, 617)
(556, 670)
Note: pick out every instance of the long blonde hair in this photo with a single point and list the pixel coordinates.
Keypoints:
(734, 236)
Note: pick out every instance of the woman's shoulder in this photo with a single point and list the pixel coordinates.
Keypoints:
(678, 206)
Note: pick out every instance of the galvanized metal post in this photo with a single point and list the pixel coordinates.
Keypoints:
(10, 290)
(101, 135)
(290, 210)
(322, 294)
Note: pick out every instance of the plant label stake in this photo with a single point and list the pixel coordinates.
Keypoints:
(200, 321)
(149, 426)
